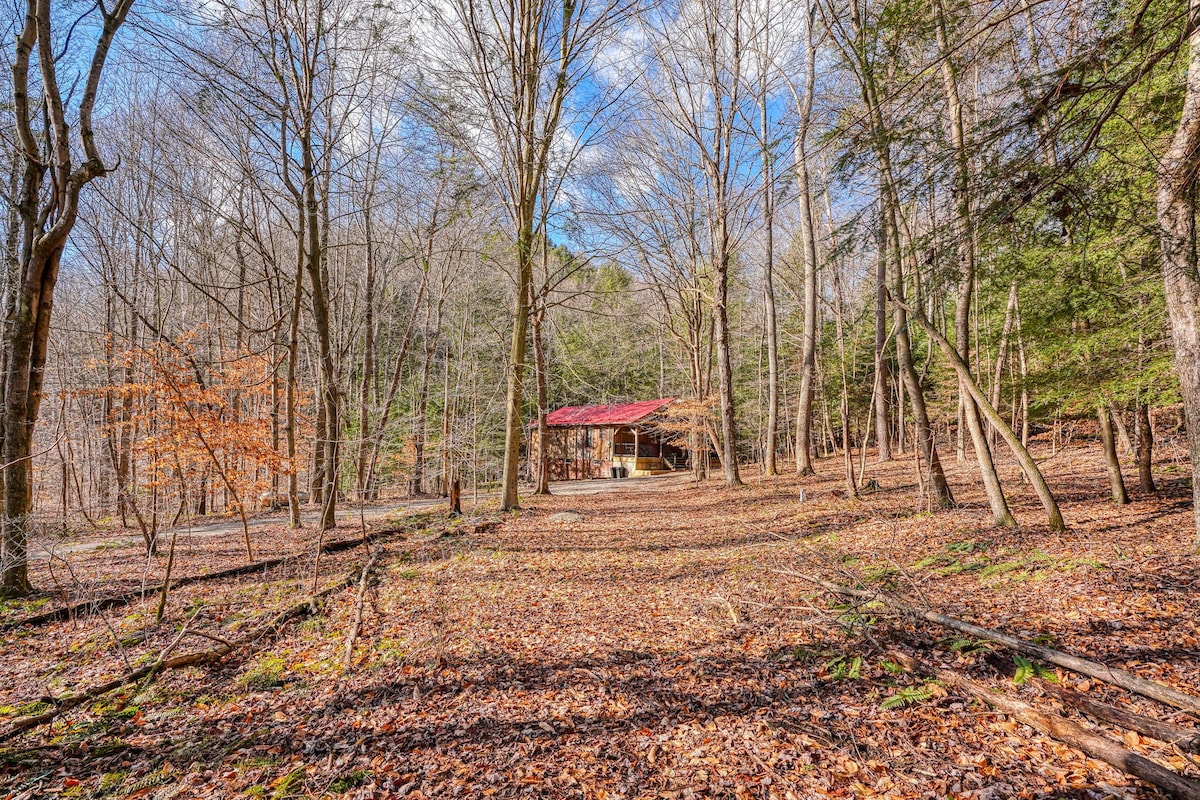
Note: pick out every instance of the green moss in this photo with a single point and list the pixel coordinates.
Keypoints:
(25, 710)
(266, 674)
(289, 785)
(351, 780)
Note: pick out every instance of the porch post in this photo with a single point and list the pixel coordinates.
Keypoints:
(636, 435)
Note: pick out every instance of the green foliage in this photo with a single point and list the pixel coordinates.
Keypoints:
(844, 667)
(290, 785)
(1028, 668)
(967, 646)
(907, 696)
(351, 780)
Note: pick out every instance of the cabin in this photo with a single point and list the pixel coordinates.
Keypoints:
(612, 441)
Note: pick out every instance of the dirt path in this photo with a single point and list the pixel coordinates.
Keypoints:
(349, 515)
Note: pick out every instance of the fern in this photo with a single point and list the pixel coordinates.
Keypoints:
(908, 696)
(844, 667)
(968, 646)
(1028, 668)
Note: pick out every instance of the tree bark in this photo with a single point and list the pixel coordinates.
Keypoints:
(1145, 450)
(541, 469)
(368, 363)
(1078, 737)
(965, 232)
(43, 237)
(1115, 480)
(926, 444)
(1176, 207)
(772, 432)
(1002, 355)
(808, 235)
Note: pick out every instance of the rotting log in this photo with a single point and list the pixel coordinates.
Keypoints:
(86, 607)
(1186, 739)
(1064, 730)
(1093, 669)
(165, 661)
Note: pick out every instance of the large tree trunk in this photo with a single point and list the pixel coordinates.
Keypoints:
(926, 444)
(330, 433)
(516, 363)
(1177, 234)
(965, 232)
(808, 236)
(45, 225)
(729, 436)
(22, 395)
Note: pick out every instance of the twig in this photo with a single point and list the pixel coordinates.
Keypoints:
(170, 648)
(352, 636)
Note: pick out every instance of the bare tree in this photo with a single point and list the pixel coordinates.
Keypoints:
(48, 206)
(515, 64)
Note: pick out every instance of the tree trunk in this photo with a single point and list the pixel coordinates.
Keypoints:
(772, 432)
(330, 433)
(541, 469)
(1176, 205)
(1110, 456)
(289, 395)
(1002, 355)
(729, 437)
(368, 365)
(965, 232)
(516, 364)
(44, 228)
(1145, 450)
(972, 391)
(808, 235)
(926, 444)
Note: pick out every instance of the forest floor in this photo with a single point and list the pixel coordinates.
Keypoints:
(654, 643)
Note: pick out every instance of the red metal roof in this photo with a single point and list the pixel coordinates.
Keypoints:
(620, 414)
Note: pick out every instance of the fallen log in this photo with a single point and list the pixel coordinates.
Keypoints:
(1064, 730)
(165, 661)
(1093, 669)
(86, 607)
(1186, 739)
